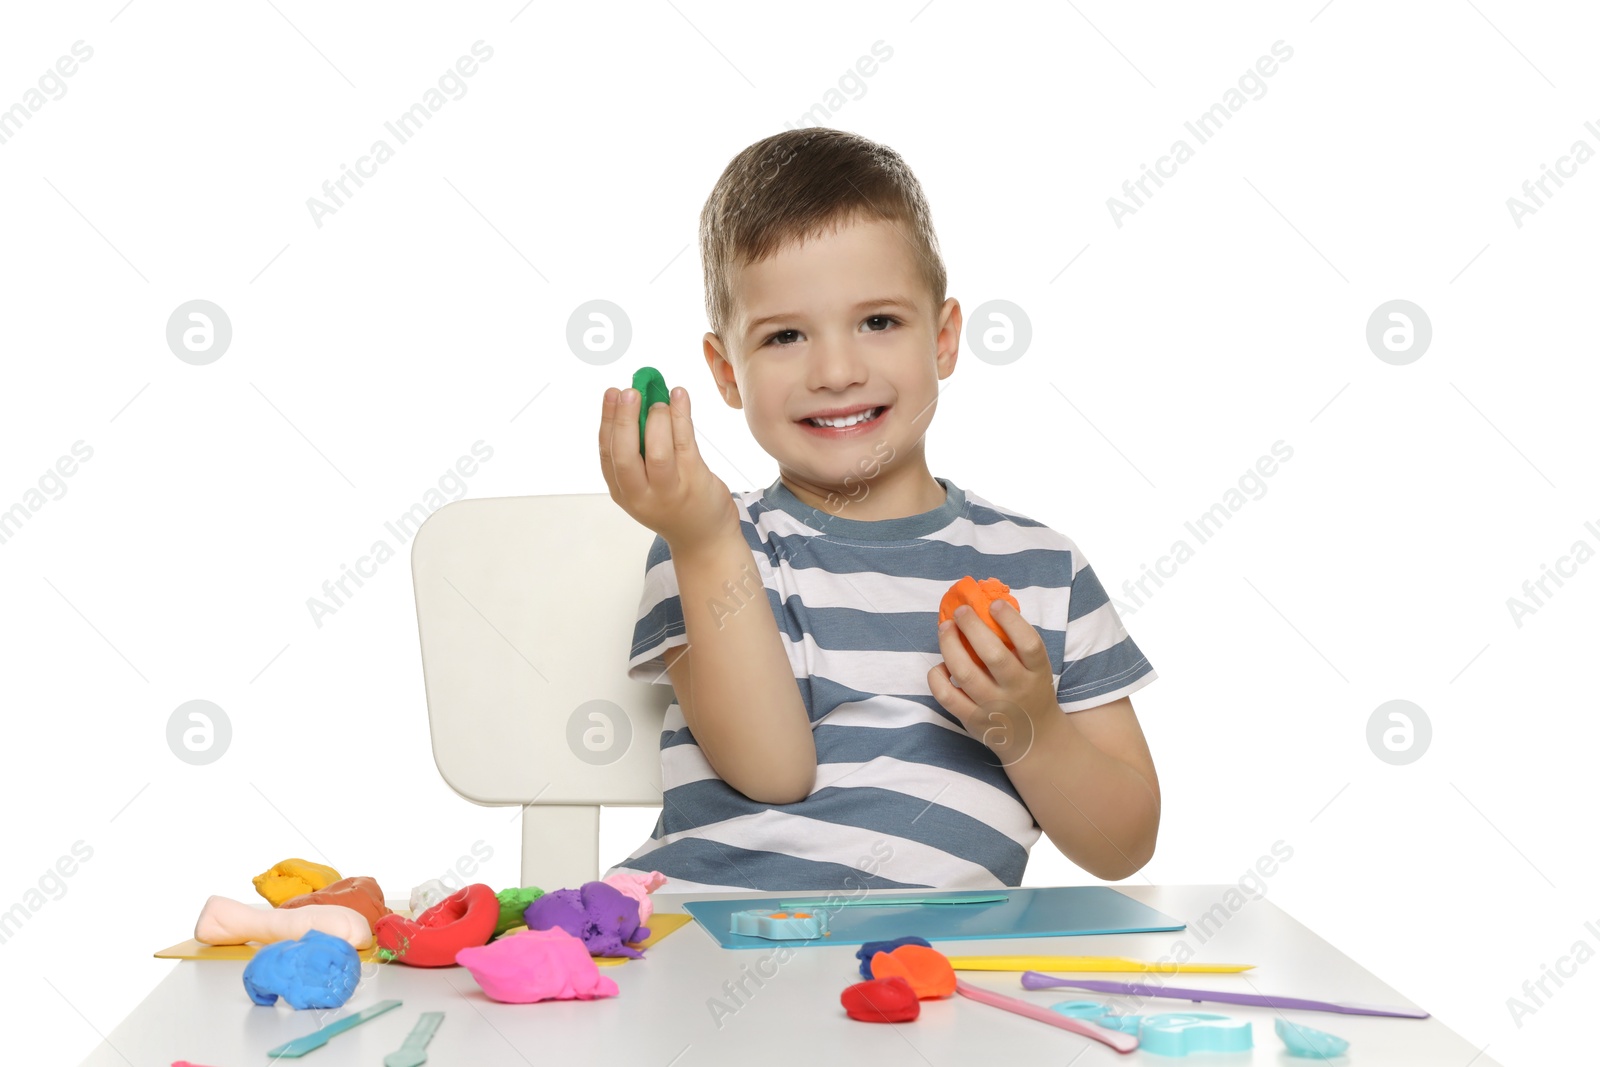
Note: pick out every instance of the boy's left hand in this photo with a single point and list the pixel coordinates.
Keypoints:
(1005, 700)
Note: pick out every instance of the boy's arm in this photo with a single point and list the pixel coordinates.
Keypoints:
(734, 683)
(1088, 778)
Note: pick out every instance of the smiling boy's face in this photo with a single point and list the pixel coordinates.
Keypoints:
(840, 321)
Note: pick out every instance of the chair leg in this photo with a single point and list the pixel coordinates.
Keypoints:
(560, 845)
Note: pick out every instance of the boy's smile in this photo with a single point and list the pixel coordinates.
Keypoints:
(840, 324)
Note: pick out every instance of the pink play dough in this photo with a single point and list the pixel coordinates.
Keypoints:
(535, 965)
(639, 887)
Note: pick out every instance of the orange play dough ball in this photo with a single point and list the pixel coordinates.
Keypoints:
(926, 969)
(978, 595)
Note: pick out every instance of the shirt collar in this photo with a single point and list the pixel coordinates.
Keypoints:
(778, 496)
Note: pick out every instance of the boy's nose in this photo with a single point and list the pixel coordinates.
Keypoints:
(835, 364)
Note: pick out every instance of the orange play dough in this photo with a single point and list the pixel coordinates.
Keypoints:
(978, 595)
(926, 969)
(360, 894)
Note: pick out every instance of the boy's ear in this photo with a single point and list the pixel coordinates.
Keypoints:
(721, 367)
(948, 341)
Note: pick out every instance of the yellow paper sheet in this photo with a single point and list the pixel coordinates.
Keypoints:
(660, 926)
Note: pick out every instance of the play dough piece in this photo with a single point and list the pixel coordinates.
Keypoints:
(535, 965)
(513, 902)
(639, 887)
(881, 1000)
(464, 919)
(601, 916)
(233, 922)
(1301, 1040)
(872, 948)
(316, 971)
(427, 895)
(978, 596)
(1178, 1033)
(291, 878)
(780, 925)
(652, 390)
(926, 970)
(359, 894)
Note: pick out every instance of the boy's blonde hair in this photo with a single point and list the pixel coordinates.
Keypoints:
(796, 185)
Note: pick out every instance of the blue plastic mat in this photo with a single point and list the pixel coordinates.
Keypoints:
(1027, 912)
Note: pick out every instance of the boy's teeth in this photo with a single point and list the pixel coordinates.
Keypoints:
(848, 420)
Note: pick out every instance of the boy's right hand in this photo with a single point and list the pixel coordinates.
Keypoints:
(669, 489)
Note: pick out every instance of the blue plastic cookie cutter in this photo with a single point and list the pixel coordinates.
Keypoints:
(1304, 1041)
(1178, 1033)
(780, 925)
(1093, 1011)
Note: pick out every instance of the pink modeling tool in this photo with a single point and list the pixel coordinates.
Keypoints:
(1116, 1039)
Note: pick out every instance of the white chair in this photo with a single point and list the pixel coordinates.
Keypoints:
(525, 613)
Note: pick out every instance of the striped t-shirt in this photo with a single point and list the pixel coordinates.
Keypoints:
(904, 796)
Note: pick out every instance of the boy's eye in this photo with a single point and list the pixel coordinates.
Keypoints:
(886, 319)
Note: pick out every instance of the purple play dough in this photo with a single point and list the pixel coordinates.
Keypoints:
(600, 915)
(317, 971)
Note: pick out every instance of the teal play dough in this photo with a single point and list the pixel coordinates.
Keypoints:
(652, 390)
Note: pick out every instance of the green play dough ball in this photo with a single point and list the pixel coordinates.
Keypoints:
(513, 902)
(652, 390)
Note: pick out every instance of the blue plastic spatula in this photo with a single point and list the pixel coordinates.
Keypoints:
(884, 902)
(316, 1039)
(414, 1052)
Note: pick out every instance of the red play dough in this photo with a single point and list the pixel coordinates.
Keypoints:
(464, 919)
(926, 970)
(881, 1000)
(978, 596)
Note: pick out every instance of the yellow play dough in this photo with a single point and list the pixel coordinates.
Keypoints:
(293, 877)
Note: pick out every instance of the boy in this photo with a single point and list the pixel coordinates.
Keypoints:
(827, 733)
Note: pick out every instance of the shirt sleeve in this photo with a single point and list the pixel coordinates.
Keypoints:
(1100, 662)
(660, 624)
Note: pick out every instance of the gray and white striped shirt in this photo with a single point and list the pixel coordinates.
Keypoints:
(904, 796)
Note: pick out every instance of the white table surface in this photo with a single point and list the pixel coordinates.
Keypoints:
(662, 1014)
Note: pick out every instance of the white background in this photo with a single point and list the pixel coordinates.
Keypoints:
(1227, 314)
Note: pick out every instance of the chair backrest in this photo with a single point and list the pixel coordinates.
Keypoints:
(525, 613)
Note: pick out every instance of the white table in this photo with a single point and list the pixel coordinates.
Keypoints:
(663, 1013)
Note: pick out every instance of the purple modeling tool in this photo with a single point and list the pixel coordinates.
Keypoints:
(1038, 980)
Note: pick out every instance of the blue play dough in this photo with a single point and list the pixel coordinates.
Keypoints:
(871, 948)
(317, 971)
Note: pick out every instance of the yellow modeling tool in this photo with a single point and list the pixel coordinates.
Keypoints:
(1086, 963)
